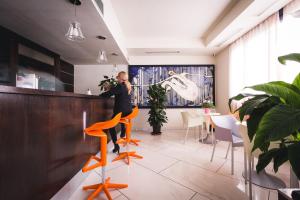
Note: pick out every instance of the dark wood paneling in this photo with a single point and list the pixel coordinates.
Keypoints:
(68, 88)
(4, 60)
(20, 39)
(9, 42)
(67, 78)
(13, 61)
(41, 140)
(36, 65)
(66, 67)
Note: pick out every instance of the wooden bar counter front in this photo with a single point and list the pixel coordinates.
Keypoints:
(42, 144)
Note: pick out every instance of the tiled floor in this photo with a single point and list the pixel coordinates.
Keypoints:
(171, 170)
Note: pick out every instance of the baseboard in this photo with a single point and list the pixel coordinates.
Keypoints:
(66, 192)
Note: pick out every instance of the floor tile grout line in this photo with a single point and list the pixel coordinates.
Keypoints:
(221, 166)
(166, 176)
(118, 196)
(100, 174)
(123, 194)
(189, 163)
(159, 173)
(169, 166)
(200, 195)
(186, 163)
(186, 186)
(193, 196)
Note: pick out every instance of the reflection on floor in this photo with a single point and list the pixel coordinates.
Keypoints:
(172, 170)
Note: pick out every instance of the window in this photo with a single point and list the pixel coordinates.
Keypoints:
(253, 57)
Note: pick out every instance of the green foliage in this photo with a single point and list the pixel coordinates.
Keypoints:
(107, 83)
(275, 117)
(157, 99)
(208, 105)
(292, 57)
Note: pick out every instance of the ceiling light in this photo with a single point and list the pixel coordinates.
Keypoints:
(100, 37)
(114, 54)
(74, 33)
(102, 58)
(159, 52)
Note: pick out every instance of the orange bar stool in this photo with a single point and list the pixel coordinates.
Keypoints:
(97, 131)
(127, 120)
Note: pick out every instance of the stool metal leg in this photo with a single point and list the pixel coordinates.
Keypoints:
(232, 159)
(227, 150)
(213, 153)
(245, 166)
(250, 176)
(103, 174)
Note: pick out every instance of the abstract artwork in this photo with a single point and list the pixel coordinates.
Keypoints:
(186, 85)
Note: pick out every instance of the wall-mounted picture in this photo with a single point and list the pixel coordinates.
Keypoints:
(186, 85)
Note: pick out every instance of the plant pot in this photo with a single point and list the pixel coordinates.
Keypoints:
(156, 130)
(206, 110)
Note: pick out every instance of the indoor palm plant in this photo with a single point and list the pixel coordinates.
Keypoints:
(274, 117)
(157, 114)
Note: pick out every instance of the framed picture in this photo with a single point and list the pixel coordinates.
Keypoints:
(188, 86)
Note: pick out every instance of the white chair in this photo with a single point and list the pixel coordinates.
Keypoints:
(192, 119)
(263, 179)
(226, 130)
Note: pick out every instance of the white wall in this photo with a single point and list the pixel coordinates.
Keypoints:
(222, 81)
(89, 76)
(170, 60)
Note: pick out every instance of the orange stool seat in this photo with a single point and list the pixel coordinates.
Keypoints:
(96, 130)
(127, 120)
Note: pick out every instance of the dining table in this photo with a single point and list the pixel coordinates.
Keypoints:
(208, 138)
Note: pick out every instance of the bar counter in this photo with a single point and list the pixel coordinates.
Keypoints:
(42, 145)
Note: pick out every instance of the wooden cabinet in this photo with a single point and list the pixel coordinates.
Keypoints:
(19, 56)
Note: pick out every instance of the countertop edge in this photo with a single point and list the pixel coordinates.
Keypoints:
(26, 91)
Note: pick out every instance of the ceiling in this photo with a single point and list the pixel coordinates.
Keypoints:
(136, 27)
(193, 27)
(167, 18)
(46, 23)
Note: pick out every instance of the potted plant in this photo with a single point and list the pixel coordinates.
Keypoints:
(107, 83)
(157, 114)
(275, 117)
(207, 105)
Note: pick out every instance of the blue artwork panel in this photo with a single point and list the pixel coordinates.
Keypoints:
(187, 85)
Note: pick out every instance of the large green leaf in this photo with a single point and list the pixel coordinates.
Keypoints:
(292, 57)
(294, 157)
(237, 97)
(296, 81)
(257, 114)
(280, 157)
(264, 159)
(248, 106)
(288, 92)
(279, 122)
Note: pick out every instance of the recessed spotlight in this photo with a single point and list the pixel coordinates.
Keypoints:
(75, 2)
(100, 37)
(115, 54)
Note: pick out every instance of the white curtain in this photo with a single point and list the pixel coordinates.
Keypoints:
(253, 57)
(289, 41)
